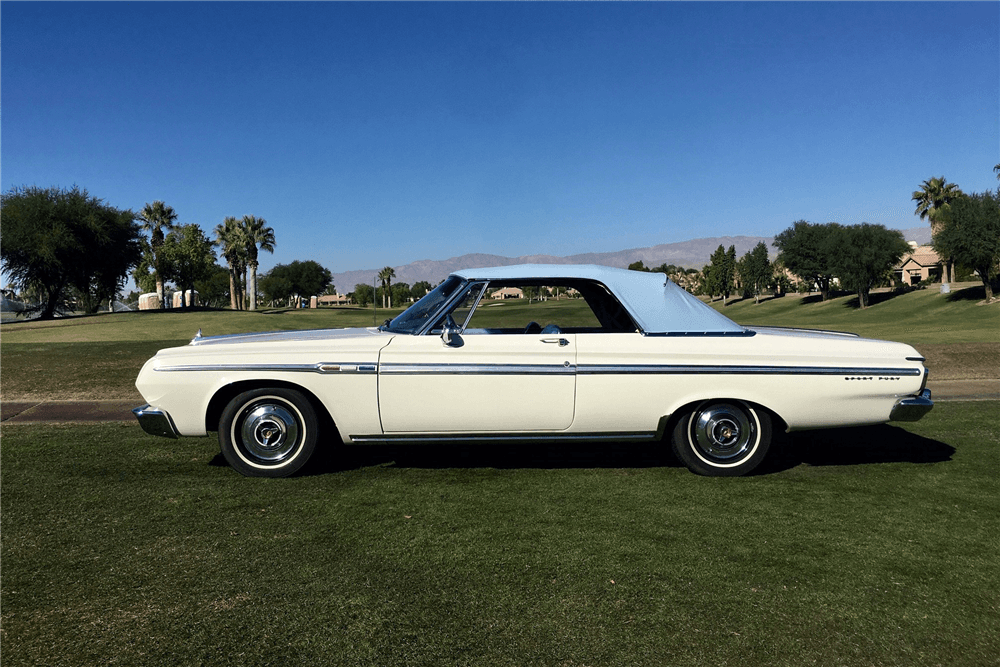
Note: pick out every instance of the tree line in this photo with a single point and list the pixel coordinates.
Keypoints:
(184, 255)
(965, 231)
(64, 243)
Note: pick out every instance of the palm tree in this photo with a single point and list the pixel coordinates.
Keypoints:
(157, 219)
(996, 170)
(257, 236)
(932, 200)
(229, 236)
(385, 276)
(934, 194)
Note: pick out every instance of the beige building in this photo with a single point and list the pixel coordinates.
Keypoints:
(334, 300)
(508, 293)
(921, 264)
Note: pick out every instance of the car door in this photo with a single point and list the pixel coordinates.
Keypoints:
(480, 383)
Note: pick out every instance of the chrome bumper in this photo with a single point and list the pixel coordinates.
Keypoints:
(912, 408)
(155, 422)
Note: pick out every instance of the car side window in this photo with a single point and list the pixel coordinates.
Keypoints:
(509, 308)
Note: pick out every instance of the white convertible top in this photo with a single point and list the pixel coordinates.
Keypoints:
(657, 305)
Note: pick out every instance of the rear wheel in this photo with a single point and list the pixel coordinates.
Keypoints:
(268, 432)
(722, 438)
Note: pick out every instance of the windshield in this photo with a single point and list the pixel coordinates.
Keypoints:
(414, 318)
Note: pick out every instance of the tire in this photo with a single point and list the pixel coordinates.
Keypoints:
(721, 438)
(268, 432)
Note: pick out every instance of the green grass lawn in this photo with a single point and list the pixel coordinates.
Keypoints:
(920, 317)
(874, 546)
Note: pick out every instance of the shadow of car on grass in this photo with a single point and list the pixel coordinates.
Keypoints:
(860, 445)
(865, 445)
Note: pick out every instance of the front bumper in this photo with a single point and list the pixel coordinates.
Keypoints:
(155, 422)
(912, 408)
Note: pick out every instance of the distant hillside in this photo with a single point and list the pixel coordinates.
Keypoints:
(689, 254)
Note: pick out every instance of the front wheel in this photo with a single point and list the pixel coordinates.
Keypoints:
(722, 438)
(268, 432)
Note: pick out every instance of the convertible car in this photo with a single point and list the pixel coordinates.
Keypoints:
(530, 353)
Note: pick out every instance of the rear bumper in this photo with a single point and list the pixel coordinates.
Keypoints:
(912, 408)
(155, 422)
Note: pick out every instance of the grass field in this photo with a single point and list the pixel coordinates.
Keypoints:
(58, 360)
(873, 546)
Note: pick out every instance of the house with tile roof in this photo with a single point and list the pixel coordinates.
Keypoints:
(921, 264)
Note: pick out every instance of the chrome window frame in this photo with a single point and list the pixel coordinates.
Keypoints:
(448, 306)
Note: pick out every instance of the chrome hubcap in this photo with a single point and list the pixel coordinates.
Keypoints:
(723, 432)
(270, 432)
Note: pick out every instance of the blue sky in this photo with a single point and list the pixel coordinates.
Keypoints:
(378, 134)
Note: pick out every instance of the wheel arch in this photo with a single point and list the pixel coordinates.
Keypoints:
(230, 391)
(669, 421)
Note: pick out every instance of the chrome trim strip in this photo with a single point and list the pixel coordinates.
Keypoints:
(472, 310)
(565, 368)
(635, 369)
(477, 369)
(324, 368)
(409, 438)
(664, 369)
(702, 334)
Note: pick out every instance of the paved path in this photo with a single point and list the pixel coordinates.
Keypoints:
(29, 412)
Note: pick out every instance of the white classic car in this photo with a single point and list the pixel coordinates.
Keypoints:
(606, 354)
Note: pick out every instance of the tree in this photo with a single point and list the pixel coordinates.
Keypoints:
(863, 256)
(275, 288)
(806, 249)
(143, 273)
(257, 236)
(213, 290)
(933, 199)
(187, 257)
(363, 294)
(721, 272)
(229, 236)
(637, 266)
(400, 292)
(420, 288)
(971, 235)
(385, 277)
(755, 271)
(996, 170)
(56, 239)
(157, 219)
(305, 279)
(730, 275)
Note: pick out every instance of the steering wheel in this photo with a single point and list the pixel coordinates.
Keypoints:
(533, 328)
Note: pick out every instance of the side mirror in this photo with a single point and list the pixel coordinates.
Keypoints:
(449, 333)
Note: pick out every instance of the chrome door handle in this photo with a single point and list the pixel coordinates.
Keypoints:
(562, 341)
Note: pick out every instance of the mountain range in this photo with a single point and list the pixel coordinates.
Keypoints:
(688, 254)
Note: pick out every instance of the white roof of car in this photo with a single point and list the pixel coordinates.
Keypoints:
(657, 305)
